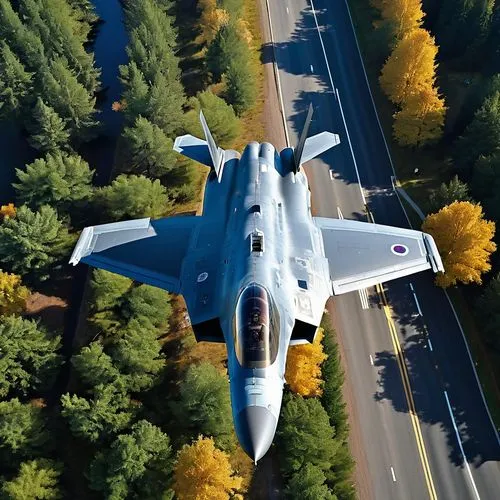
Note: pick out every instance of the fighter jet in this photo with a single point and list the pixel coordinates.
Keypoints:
(256, 268)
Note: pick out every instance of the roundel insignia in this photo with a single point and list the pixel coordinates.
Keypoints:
(202, 277)
(399, 249)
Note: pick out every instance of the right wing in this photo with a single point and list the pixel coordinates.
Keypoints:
(361, 254)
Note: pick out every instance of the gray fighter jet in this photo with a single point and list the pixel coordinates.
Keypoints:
(256, 269)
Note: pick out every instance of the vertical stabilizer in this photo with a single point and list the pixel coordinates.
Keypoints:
(297, 155)
(216, 153)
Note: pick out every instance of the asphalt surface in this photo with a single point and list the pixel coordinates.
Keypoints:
(444, 389)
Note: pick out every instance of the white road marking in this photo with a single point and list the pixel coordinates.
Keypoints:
(393, 475)
(312, 69)
(287, 11)
(371, 360)
(430, 344)
(416, 300)
(331, 174)
(363, 296)
(473, 484)
(341, 215)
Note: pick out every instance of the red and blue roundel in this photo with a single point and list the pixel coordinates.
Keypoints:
(400, 249)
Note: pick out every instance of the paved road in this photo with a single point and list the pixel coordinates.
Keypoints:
(396, 448)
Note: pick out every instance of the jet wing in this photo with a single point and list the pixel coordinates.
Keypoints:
(361, 254)
(151, 252)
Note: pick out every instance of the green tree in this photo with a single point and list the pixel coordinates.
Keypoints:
(305, 435)
(70, 99)
(133, 196)
(135, 91)
(33, 242)
(58, 180)
(309, 484)
(333, 377)
(220, 116)
(488, 312)
(481, 135)
(29, 358)
(36, 480)
(204, 406)
(23, 432)
(150, 150)
(241, 86)
(94, 366)
(108, 412)
(455, 190)
(16, 83)
(137, 356)
(485, 183)
(107, 289)
(48, 129)
(137, 465)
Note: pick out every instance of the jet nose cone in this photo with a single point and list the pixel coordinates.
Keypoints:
(255, 427)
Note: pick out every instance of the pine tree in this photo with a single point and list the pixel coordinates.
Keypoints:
(464, 240)
(446, 194)
(150, 150)
(16, 83)
(33, 242)
(133, 197)
(241, 87)
(486, 183)
(203, 471)
(29, 356)
(107, 289)
(309, 484)
(58, 180)
(36, 479)
(95, 367)
(48, 129)
(135, 93)
(410, 68)
(421, 119)
(13, 294)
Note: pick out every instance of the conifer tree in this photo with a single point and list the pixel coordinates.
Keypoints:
(446, 194)
(48, 129)
(488, 307)
(241, 88)
(58, 180)
(309, 484)
(107, 289)
(486, 183)
(16, 83)
(135, 93)
(33, 242)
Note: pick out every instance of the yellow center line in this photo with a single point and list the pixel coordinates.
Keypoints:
(409, 396)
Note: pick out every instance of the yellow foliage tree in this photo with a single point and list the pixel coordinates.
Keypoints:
(421, 120)
(203, 472)
(464, 239)
(7, 211)
(13, 294)
(303, 367)
(410, 68)
(212, 19)
(404, 15)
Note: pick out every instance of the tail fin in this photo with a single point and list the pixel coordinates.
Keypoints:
(205, 152)
(310, 147)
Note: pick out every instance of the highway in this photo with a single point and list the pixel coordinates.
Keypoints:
(422, 426)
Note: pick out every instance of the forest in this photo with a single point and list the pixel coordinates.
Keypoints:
(117, 400)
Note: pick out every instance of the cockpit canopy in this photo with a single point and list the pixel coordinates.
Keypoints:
(256, 328)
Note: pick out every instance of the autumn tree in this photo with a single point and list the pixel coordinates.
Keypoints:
(7, 211)
(404, 16)
(464, 239)
(28, 354)
(105, 414)
(150, 150)
(410, 68)
(305, 435)
(212, 19)
(23, 432)
(309, 484)
(204, 472)
(137, 465)
(446, 194)
(204, 405)
(133, 197)
(303, 367)
(488, 312)
(421, 119)
(48, 131)
(36, 479)
(221, 119)
(33, 242)
(13, 294)
(58, 180)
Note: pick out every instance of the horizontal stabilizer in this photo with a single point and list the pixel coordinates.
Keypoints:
(318, 144)
(194, 148)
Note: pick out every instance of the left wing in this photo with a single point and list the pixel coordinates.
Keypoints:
(362, 254)
(148, 251)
